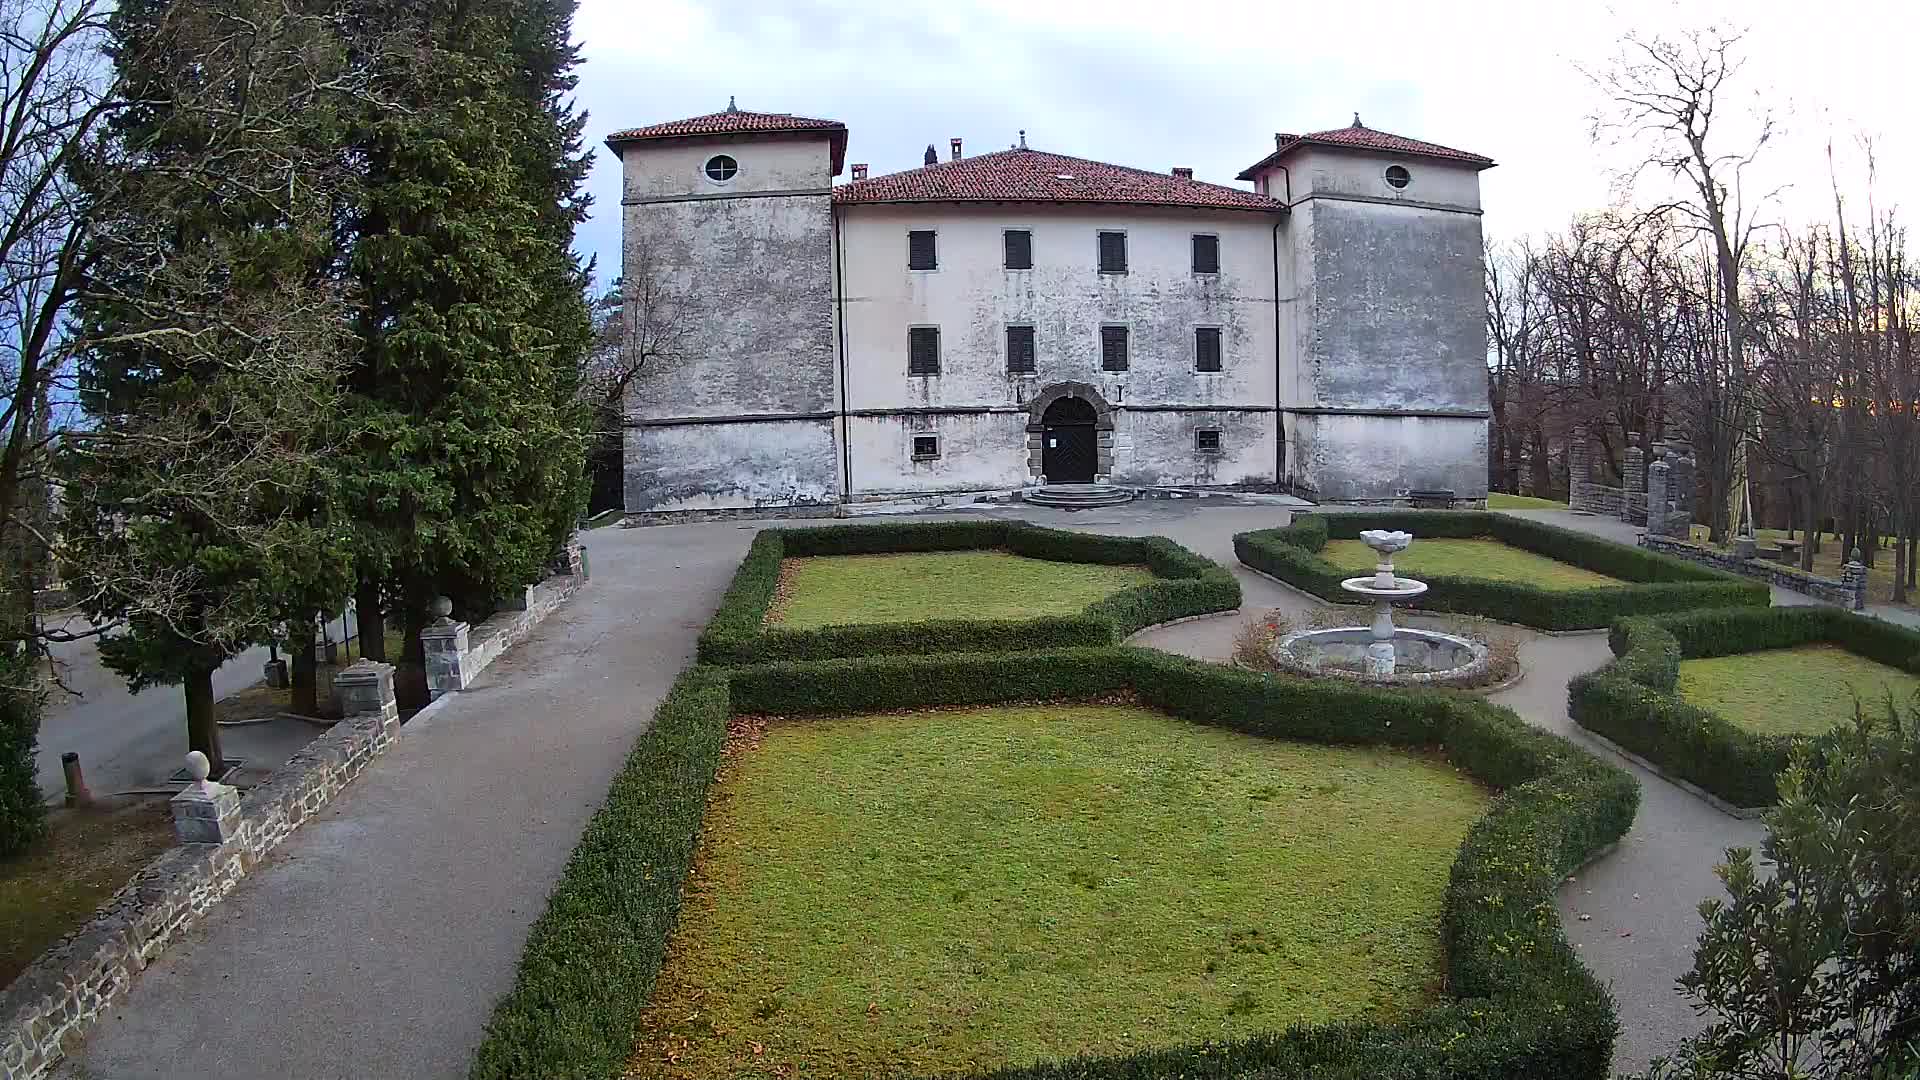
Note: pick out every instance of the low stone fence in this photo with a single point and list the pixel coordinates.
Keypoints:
(49, 1007)
(1849, 592)
(456, 652)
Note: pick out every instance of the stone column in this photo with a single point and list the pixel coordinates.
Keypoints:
(1579, 469)
(1633, 470)
(366, 689)
(206, 812)
(1657, 509)
(1854, 577)
(445, 643)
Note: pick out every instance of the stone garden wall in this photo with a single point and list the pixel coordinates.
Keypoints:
(1849, 592)
(457, 652)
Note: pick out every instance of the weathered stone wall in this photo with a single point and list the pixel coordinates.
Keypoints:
(1379, 459)
(51, 1005)
(748, 268)
(457, 653)
(1850, 592)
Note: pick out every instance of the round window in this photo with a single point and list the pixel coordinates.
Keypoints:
(1398, 177)
(721, 168)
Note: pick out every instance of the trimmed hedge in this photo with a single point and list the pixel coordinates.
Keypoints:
(1656, 583)
(1633, 700)
(1520, 1004)
(1186, 584)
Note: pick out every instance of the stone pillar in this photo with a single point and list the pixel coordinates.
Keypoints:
(1657, 509)
(1854, 577)
(570, 560)
(445, 643)
(366, 689)
(206, 812)
(1579, 470)
(520, 599)
(1633, 470)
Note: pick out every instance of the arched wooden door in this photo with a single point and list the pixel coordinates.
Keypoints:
(1069, 448)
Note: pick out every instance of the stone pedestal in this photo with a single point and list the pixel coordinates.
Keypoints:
(445, 645)
(275, 672)
(206, 812)
(366, 688)
(519, 600)
(1854, 577)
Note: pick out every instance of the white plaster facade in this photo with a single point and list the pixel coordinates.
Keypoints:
(1348, 311)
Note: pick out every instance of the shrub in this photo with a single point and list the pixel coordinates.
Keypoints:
(1520, 1004)
(1654, 582)
(1185, 584)
(1633, 701)
(23, 817)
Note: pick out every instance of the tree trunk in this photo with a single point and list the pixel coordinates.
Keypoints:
(410, 680)
(1913, 554)
(372, 622)
(1810, 515)
(305, 676)
(202, 733)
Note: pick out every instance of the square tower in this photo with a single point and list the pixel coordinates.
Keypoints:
(728, 268)
(1388, 320)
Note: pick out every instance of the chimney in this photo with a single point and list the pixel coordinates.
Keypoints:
(956, 149)
(1180, 173)
(933, 156)
(1279, 140)
(860, 172)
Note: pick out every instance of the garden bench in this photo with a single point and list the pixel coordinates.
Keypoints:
(1431, 498)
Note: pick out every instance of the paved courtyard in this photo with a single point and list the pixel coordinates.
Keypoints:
(379, 936)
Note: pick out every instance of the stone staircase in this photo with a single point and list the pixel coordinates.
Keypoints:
(1078, 496)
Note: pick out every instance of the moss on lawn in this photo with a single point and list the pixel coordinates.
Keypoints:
(1498, 500)
(86, 857)
(1803, 690)
(961, 889)
(830, 590)
(1477, 558)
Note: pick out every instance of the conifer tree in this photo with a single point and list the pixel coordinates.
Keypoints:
(215, 330)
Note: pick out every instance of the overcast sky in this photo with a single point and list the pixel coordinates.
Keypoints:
(1205, 84)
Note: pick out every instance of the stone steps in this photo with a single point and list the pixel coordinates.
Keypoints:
(1078, 496)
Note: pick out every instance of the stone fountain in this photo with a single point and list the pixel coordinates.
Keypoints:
(1383, 652)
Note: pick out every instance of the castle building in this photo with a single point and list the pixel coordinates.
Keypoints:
(985, 322)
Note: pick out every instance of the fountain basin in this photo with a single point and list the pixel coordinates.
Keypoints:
(1420, 657)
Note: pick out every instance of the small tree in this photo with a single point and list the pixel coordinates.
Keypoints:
(1813, 971)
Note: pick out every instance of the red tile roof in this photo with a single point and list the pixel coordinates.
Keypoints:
(1360, 137)
(732, 121)
(1023, 175)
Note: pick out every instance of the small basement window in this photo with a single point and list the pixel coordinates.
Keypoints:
(921, 252)
(923, 350)
(1113, 348)
(926, 447)
(1207, 441)
(1398, 177)
(1113, 253)
(722, 168)
(1019, 249)
(1206, 254)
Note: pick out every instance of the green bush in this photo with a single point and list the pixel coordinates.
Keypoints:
(1519, 1002)
(1633, 701)
(1185, 584)
(1655, 582)
(23, 817)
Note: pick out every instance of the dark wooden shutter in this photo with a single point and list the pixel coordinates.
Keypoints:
(926, 446)
(1206, 348)
(1020, 350)
(1113, 348)
(1113, 253)
(921, 253)
(923, 351)
(1206, 254)
(1207, 442)
(1019, 249)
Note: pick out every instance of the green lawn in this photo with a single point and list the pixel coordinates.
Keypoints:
(843, 589)
(1501, 501)
(47, 891)
(1804, 690)
(961, 889)
(1479, 557)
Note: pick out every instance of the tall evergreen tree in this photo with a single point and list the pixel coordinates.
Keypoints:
(215, 330)
(469, 469)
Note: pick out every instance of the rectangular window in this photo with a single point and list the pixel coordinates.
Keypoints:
(923, 350)
(926, 447)
(1019, 249)
(1206, 348)
(1207, 442)
(1020, 350)
(1206, 254)
(1113, 253)
(1113, 348)
(921, 252)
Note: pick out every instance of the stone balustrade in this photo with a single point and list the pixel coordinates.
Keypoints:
(1849, 592)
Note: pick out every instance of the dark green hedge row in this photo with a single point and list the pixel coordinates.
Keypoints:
(1520, 1004)
(1632, 701)
(1185, 584)
(1655, 582)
